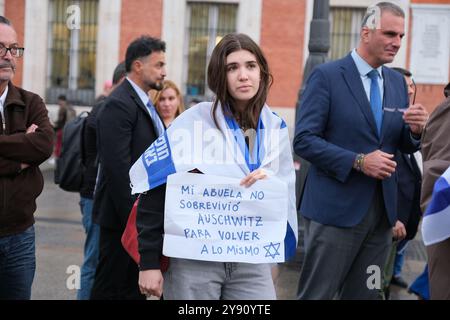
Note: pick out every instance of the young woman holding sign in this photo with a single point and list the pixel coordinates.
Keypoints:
(239, 76)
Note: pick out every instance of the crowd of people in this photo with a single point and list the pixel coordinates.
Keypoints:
(358, 125)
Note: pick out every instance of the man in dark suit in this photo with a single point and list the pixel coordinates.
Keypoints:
(126, 127)
(353, 117)
(90, 163)
(408, 204)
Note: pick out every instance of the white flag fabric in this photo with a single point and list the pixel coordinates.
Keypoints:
(436, 219)
(194, 141)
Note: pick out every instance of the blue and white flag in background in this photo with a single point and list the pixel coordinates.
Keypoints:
(436, 220)
(193, 141)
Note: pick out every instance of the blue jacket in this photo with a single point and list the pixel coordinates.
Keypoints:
(335, 123)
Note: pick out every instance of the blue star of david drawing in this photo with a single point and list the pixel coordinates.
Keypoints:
(272, 250)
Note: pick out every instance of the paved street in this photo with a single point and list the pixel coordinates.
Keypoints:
(59, 241)
(60, 236)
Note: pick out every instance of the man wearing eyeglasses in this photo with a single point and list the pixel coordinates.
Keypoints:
(25, 142)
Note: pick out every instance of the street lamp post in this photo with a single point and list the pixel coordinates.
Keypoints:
(319, 39)
(319, 44)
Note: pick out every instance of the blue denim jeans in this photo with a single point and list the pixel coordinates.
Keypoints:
(400, 257)
(91, 250)
(17, 265)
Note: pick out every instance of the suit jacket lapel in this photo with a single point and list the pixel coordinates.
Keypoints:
(134, 96)
(407, 160)
(138, 101)
(415, 166)
(355, 86)
(411, 161)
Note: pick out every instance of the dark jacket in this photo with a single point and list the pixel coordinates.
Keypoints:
(20, 188)
(409, 185)
(150, 226)
(124, 131)
(90, 155)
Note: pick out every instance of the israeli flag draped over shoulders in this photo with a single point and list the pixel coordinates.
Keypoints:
(436, 220)
(193, 141)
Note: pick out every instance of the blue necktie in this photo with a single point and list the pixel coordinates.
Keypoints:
(157, 123)
(375, 99)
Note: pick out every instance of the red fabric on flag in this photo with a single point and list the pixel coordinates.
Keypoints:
(130, 239)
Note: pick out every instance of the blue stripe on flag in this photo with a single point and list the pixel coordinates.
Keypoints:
(290, 243)
(253, 161)
(440, 198)
(158, 162)
(283, 124)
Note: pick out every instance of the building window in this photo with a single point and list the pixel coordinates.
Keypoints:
(207, 24)
(72, 52)
(345, 28)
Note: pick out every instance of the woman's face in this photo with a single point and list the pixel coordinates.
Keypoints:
(168, 104)
(243, 76)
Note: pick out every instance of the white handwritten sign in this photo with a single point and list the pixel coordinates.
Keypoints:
(212, 218)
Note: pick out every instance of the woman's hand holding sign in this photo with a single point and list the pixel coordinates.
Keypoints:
(252, 177)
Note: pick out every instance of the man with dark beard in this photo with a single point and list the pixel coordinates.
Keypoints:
(126, 127)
